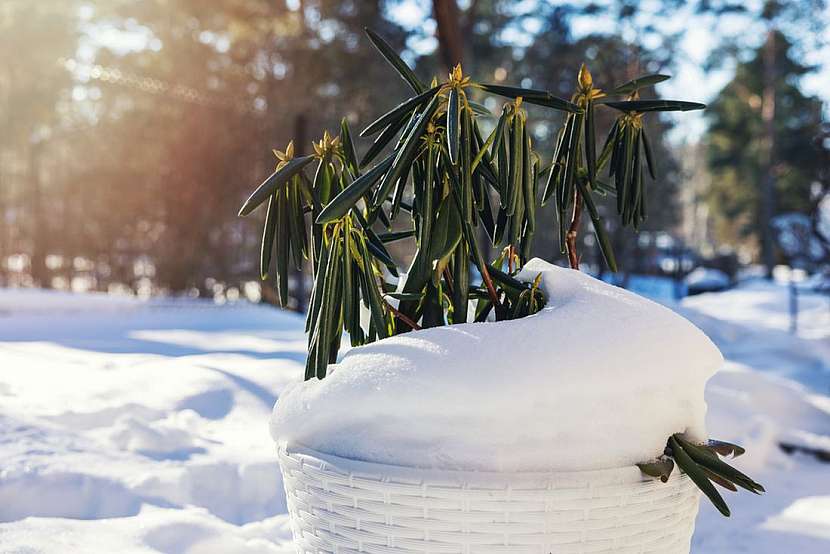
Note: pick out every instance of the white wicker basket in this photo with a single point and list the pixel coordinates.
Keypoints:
(345, 506)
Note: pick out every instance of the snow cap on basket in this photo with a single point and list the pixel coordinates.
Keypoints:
(597, 379)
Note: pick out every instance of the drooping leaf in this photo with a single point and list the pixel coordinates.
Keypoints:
(660, 468)
(725, 448)
(453, 127)
(268, 233)
(446, 231)
(590, 143)
(640, 82)
(718, 480)
(296, 223)
(405, 153)
(649, 156)
(399, 112)
(710, 461)
(532, 96)
(343, 202)
(599, 228)
(399, 235)
(461, 283)
(641, 106)
(384, 138)
(697, 476)
(479, 109)
(275, 181)
(283, 246)
(348, 147)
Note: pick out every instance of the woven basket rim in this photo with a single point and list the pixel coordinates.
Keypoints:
(618, 475)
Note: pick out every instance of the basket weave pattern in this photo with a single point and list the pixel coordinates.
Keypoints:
(343, 506)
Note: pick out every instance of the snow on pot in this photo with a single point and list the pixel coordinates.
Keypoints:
(516, 436)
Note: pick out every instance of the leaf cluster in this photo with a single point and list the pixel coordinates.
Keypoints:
(703, 465)
(437, 168)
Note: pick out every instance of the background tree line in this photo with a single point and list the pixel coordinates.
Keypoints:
(125, 160)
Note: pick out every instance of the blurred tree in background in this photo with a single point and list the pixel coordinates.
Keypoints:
(33, 97)
(736, 143)
(775, 121)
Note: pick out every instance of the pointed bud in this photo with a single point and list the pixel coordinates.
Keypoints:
(456, 74)
(586, 82)
(289, 150)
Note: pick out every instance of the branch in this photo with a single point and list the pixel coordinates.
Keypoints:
(573, 231)
(412, 325)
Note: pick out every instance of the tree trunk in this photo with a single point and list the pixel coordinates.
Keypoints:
(768, 153)
(39, 232)
(450, 41)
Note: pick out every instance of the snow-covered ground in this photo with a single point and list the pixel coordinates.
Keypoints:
(129, 426)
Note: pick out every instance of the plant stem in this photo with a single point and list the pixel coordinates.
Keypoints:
(491, 290)
(573, 230)
(412, 325)
(448, 280)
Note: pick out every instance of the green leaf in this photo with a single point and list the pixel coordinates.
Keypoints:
(479, 109)
(399, 112)
(330, 309)
(528, 184)
(395, 61)
(660, 468)
(348, 147)
(343, 202)
(446, 231)
(514, 181)
(382, 140)
(465, 159)
(349, 301)
(276, 180)
(405, 153)
(411, 296)
(640, 82)
(533, 96)
(718, 480)
(590, 143)
(483, 149)
(725, 448)
(376, 306)
(376, 246)
(505, 280)
(317, 293)
(461, 283)
(649, 156)
(610, 140)
(710, 461)
(428, 195)
(599, 228)
(268, 233)
(697, 476)
(399, 235)
(296, 223)
(453, 125)
(628, 162)
(641, 106)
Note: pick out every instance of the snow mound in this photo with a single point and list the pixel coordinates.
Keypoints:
(599, 378)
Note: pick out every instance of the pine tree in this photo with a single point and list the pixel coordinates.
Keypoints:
(736, 146)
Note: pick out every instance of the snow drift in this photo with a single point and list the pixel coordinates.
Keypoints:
(599, 378)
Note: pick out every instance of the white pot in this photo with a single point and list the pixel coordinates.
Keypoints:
(341, 506)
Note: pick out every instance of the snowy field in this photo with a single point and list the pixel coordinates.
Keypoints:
(129, 426)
